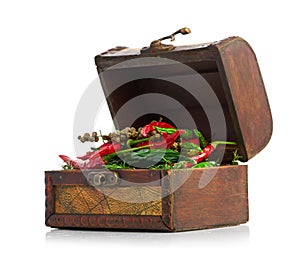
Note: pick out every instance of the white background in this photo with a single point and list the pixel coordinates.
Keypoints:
(47, 61)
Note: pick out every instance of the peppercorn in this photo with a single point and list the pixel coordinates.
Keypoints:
(134, 135)
(153, 132)
(86, 135)
(104, 137)
(123, 137)
(156, 137)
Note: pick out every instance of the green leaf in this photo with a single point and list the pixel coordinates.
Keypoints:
(202, 140)
(165, 130)
(205, 164)
(67, 167)
(190, 149)
(180, 165)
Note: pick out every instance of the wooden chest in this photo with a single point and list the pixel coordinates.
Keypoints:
(215, 87)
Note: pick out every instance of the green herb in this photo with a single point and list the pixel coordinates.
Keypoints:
(205, 164)
(117, 166)
(159, 158)
(191, 146)
(236, 157)
(190, 149)
(202, 140)
(161, 166)
(165, 130)
(181, 165)
(67, 167)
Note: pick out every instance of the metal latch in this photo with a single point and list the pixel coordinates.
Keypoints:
(157, 46)
(103, 178)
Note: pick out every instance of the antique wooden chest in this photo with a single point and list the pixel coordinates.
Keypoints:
(177, 83)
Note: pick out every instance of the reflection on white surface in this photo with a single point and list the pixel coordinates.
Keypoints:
(224, 236)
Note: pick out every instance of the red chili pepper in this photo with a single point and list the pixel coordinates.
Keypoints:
(69, 161)
(199, 158)
(142, 144)
(108, 149)
(189, 165)
(150, 127)
(206, 152)
(95, 163)
(167, 142)
(86, 156)
(104, 149)
(181, 131)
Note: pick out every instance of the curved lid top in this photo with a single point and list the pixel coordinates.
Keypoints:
(229, 66)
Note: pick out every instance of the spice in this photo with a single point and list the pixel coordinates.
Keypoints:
(157, 143)
(72, 163)
(89, 138)
(207, 151)
(106, 148)
(92, 163)
(167, 141)
(150, 127)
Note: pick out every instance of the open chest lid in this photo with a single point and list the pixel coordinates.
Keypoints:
(216, 87)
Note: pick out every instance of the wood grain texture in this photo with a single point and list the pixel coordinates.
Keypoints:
(167, 201)
(81, 199)
(49, 195)
(127, 177)
(246, 91)
(244, 101)
(223, 201)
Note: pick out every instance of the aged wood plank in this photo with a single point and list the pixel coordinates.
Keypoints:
(223, 201)
(251, 111)
(49, 197)
(185, 56)
(127, 177)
